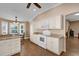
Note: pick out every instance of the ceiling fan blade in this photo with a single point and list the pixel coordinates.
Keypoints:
(36, 4)
(28, 5)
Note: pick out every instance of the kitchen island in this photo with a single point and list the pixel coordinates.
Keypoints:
(9, 45)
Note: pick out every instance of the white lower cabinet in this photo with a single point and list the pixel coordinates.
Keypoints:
(40, 40)
(55, 45)
(10, 47)
(34, 39)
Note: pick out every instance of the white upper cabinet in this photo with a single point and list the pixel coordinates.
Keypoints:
(59, 22)
(45, 24)
(55, 22)
(42, 24)
(52, 23)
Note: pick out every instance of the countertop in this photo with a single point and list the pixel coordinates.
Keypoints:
(52, 35)
(8, 37)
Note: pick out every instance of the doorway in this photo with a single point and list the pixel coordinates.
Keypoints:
(72, 34)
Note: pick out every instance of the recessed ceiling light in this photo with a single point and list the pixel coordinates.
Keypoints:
(76, 14)
(34, 9)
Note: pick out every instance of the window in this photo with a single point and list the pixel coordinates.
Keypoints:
(13, 28)
(4, 26)
(21, 29)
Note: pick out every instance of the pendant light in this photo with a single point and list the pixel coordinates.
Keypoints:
(16, 20)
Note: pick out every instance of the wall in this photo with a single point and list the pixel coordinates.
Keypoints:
(75, 26)
(27, 28)
(0, 27)
(67, 26)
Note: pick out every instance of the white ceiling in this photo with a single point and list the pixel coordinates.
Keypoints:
(10, 10)
(72, 17)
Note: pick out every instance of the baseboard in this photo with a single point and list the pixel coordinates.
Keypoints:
(16, 54)
(61, 53)
(52, 52)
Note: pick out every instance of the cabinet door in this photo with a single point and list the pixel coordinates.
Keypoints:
(34, 39)
(49, 43)
(52, 23)
(52, 44)
(55, 22)
(59, 22)
(42, 24)
(39, 25)
(45, 24)
(55, 45)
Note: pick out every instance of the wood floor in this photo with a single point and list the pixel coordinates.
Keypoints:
(30, 49)
(72, 47)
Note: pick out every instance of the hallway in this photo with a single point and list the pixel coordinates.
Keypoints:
(72, 47)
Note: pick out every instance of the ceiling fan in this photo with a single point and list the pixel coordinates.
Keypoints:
(36, 4)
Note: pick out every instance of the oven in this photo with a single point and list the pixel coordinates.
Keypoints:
(42, 41)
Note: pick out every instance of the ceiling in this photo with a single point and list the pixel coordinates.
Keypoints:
(10, 10)
(72, 17)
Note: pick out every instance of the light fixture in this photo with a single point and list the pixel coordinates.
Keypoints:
(34, 9)
(76, 14)
(16, 21)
